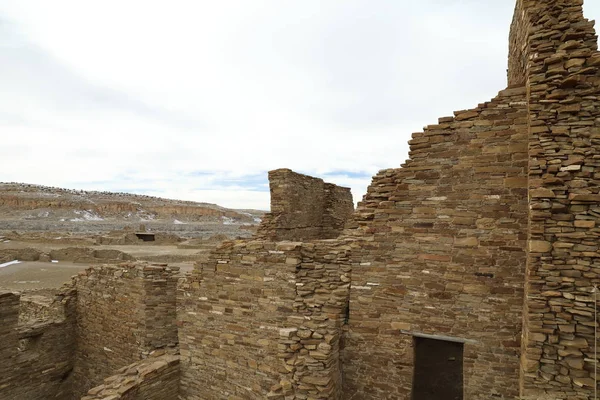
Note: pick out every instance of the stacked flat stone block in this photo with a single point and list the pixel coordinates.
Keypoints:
(123, 313)
(304, 208)
(263, 319)
(563, 80)
(440, 249)
(154, 378)
(36, 355)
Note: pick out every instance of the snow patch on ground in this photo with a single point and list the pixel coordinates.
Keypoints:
(54, 261)
(227, 220)
(258, 220)
(87, 215)
(178, 222)
(145, 217)
(6, 264)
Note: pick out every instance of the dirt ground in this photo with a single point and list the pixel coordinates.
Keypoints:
(38, 275)
(29, 275)
(138, 251)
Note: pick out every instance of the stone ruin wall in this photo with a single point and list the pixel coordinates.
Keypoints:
(123, 313)
(441, 251)
(263, 318)
(59, 345)
(304, 208)
(37, 355)
(487, 235)
(563, 81)
(154, 378)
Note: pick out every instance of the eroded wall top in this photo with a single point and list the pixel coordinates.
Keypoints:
(304, 208)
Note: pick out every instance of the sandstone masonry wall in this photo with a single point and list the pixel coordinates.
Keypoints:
(518, 50)
(231, 313)
(154, 378)
(304, 208)
(311, 350)
(37, 356)
(123, 313)
(562, 268)
(263, 319)
(441, 251)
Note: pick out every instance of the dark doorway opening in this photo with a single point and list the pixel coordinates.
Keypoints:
(438, 370)
(146, 237)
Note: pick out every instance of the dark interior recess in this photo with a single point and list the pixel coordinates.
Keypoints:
(438, 370)
(146, 237)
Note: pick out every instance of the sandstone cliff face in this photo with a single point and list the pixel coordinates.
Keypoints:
(39, 202)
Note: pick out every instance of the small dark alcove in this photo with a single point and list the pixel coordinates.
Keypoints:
(146, 237)
(438, 370)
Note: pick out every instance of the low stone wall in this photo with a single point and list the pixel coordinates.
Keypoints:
(123, 313)
(90, 255)
(155, 378)
(75, 254)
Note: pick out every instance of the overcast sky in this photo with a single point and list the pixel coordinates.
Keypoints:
(197, 100)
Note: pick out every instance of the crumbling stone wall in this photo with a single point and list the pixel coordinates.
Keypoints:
(441, 251)
(123, 313)
(564, 115)
(154, 378)
(304, 208)
(263, 318)
(37, 356)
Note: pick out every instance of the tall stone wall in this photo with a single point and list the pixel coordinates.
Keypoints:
(123, 313)
(442, 252)
(563, 81)
(304, 208)
(517, 49)
(37, 355)
(263, 319)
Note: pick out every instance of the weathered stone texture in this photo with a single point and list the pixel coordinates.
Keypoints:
(562, 267)
(154, 378)
(230, 315)
(263, 319)
(304, 208)
(441, 250)
(123, 313)
(36, 356)
(487, 235)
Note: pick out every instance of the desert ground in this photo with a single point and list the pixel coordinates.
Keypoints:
(47, 235)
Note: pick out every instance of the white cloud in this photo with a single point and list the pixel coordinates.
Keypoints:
(142, 96)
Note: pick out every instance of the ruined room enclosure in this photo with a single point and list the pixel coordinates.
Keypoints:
(468, 272)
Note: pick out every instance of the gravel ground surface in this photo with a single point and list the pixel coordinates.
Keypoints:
(29, 275)
(38, 275)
